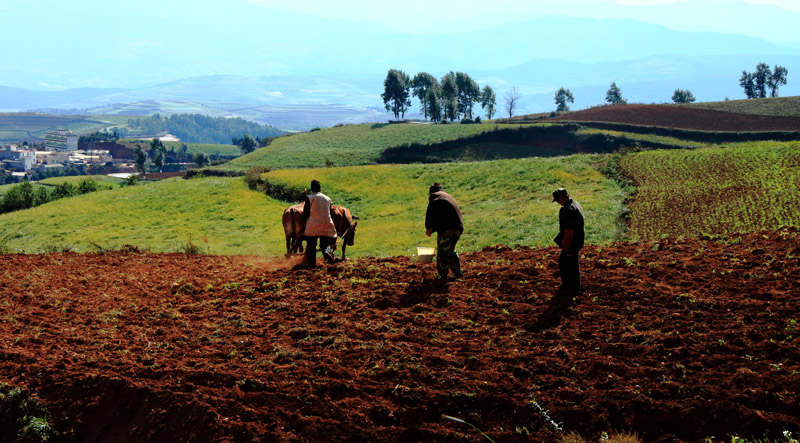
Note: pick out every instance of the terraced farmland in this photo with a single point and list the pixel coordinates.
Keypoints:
(722, 190)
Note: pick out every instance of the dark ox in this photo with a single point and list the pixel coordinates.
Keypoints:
(294, 224)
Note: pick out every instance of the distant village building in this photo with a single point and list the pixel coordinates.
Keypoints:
(61, 140)
(88, 157)
(119, 153)
(14, 159)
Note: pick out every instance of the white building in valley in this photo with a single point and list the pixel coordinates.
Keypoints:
(61, 140)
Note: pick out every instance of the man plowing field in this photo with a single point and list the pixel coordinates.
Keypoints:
(318, 213)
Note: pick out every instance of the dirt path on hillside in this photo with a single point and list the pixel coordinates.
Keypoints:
(676, 340)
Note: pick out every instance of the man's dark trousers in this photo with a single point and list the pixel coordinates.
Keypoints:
(570, 272)
(446, 255)
(311, 249)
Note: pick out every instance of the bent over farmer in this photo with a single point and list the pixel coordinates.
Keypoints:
(317, 209)
(570, 238)
(444, 217)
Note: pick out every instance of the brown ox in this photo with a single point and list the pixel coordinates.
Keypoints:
(294, 224)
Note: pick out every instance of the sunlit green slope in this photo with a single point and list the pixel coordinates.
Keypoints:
(506, 201)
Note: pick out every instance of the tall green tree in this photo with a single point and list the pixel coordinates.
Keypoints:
(468, 93)
(449, 96)
(140, 159)
(433, 104)
(395, 95)
(681, 96)
(420, 85)
(777, 79)
(248, 144)
(158, 151)
(488, 101)
(200, 159)
(614, 95)
(761, 78)
(512, 100)
(747, 83)
(562, 98)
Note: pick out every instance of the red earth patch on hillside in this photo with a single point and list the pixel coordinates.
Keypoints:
(676, 340)
(681, 117)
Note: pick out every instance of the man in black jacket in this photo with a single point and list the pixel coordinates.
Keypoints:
(570, 238)
(444, 217)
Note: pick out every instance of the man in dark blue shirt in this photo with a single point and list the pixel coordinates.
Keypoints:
(570, 238)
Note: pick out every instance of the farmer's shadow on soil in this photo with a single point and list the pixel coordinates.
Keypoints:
(558, 306)
(419, 292)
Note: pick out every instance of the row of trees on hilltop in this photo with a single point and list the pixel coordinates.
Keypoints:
(755, 84)
(614, 97)
(452, 98)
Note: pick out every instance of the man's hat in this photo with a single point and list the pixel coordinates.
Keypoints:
(558, 193)
(436, 187)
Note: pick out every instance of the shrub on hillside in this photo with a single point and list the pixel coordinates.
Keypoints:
(87, 185)
(132, 180)
(253, 177)
(23, 196)
(18, 197)
(277, 190)
(469, 121)
(196, 173)
(23, 417)
(63, 190)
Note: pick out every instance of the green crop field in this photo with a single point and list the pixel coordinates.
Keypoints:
(778, 106)
(652, 138)
(720, 190)
(504, 202)
(205, 148)
(349, 145)
(192, 148)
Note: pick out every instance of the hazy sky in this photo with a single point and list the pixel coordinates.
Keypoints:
(426, 16)
(102, 43)
(773, 20)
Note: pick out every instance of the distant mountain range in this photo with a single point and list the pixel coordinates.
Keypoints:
(648, 62)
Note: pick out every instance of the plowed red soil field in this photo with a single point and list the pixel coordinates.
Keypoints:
(676, 340)
(671, 116)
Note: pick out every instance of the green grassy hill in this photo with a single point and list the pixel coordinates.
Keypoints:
(211, 149)
(778, 106)
(349, 145)
(505, 201)
(160, 216)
